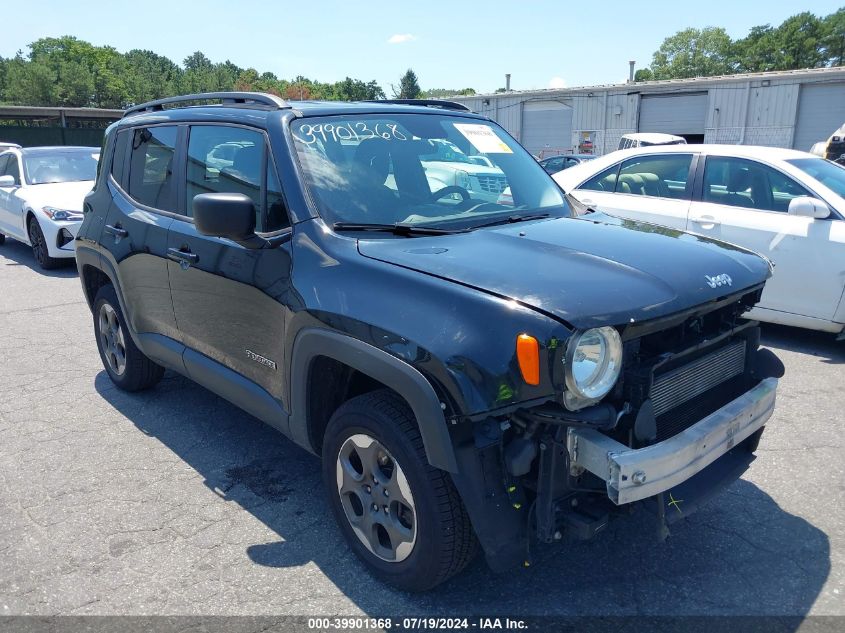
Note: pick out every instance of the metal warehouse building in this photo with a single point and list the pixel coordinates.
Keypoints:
(780, 109)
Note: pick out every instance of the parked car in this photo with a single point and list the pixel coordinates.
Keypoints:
(428, 348)
(554, 164)
(646, 139)
(447, 165)
(41, 193)
(785, 204)
(4, 146)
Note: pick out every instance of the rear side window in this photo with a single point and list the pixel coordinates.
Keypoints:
(151, 180)
(738, 182)
(118, 163)
(231, 159)
(657, 176)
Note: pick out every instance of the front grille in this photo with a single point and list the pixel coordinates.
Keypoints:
(689, 381)
(492, 184)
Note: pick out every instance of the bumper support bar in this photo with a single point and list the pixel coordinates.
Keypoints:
(635, 474)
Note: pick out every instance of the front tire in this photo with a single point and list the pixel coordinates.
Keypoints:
(39, 247)
(125, 364)
(401, 516)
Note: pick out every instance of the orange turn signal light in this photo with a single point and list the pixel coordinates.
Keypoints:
(528, 355)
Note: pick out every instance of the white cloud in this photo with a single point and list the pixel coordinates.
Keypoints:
(557, 82)
(401, 38)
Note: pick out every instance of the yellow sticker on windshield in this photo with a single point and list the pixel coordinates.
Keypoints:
(483, 138)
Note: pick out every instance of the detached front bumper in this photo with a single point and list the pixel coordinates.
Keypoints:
(636, 474)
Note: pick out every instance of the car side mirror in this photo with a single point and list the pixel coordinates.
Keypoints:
(229, 215)
(807, 207)
(8, 181)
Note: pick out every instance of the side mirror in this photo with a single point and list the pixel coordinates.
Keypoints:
(7, 181)
(229, 215)
(807, 207)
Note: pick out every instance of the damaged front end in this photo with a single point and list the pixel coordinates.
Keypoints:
(680, 423)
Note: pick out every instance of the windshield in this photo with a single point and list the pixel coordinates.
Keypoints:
(829, 174)
(61, 166)
(420, 169)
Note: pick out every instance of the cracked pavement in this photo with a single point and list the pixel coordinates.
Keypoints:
(175, 502)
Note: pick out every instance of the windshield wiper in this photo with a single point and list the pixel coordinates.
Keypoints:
(396, 229)
(511, 219)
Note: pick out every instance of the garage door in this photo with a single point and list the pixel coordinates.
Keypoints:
(821, 111)
(679, 114)
(546, 127)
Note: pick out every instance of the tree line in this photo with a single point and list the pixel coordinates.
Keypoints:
(69, 72)
(801, 41)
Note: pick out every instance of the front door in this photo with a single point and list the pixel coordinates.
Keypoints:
(230, 300)
(650, 188)
(745, 202)
(11, 206)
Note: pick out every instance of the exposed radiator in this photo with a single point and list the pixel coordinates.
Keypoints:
(680, 385)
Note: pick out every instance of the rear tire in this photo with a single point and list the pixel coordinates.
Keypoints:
(125, 364)
(39, 247)
(401, 516)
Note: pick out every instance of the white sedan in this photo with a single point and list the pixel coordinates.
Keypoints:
(785, 204)
(41, 194)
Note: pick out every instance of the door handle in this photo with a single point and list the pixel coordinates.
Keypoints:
(706, 221)
(116, 230)
(184, 257)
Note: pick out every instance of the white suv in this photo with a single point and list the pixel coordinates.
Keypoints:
(448, 166)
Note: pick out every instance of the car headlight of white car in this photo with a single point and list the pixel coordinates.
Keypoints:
(593, 361)
(55, 213)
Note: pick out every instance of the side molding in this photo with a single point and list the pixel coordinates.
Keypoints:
(378, 364)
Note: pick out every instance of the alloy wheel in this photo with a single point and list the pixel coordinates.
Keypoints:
(36, 238)
(111, 337)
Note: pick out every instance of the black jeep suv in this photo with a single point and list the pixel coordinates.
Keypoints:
(401, 288)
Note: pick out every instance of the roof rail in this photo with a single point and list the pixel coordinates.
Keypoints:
(241, 98)
(429, 103)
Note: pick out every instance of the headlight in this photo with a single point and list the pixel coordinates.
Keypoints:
(61, 214)
(462, 179)
(593, 362)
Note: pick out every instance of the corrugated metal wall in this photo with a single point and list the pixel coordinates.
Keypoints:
(757, 109)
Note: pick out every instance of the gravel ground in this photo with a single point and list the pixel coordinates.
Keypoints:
(174, 502)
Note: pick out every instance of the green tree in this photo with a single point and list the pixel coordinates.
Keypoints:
(834, 38)
(356, 90)
(693, 53)
(150, 76)
(801, 39)
(644, 74)
(409, 86)
(29, 83)
(759, 51)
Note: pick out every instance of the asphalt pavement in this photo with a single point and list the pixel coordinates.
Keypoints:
(173, 501)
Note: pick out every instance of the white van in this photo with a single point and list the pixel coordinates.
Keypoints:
(644, 139)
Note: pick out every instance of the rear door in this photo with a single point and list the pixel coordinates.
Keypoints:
(144, 175)
(745, 202)
(228, 299)
(651, 188)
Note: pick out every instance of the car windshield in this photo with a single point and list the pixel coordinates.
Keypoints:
(432, 170)
(61, 166)
(829, 174)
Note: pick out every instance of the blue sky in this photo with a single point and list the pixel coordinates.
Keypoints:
(451, 44)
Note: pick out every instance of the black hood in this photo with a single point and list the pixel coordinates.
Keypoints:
(587, 271)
